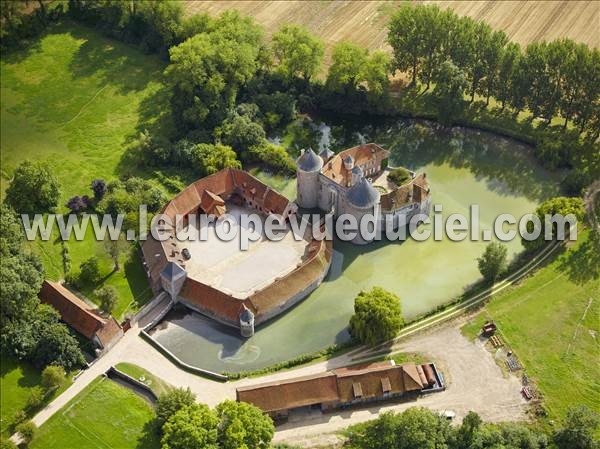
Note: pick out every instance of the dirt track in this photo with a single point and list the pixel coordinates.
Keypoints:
(475, 382)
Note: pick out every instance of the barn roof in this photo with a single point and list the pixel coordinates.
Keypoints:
(343, 385)
(77, 314)
(291, 393)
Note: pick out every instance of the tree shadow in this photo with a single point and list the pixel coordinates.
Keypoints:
(150, 438)
(582, 264)
(115, 63)
(137, 279)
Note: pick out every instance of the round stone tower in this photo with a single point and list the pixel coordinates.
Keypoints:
(307, 178)
(361, 200)
(246, 322)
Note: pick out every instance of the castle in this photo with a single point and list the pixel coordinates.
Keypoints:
(237, 288)
(243, 289)
(355, 181)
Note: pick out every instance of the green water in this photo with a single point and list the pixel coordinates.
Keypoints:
(464, 167)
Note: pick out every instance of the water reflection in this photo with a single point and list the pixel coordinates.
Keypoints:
(464, 167)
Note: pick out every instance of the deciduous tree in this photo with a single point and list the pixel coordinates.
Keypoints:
(171, 402)
(108, 298)
(493, 261)
(243, 425)
(192, 427)
(298, 53)
(377, 316)
(33, 189)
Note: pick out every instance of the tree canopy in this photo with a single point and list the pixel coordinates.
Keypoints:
(377, 316)
(493, 263)
(191, 427)
(298, 52)
(555, 206)
(243, 426)
(171, 402)
(33, 189)
(208, 69)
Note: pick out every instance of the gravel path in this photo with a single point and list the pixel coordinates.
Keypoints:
(475, 382)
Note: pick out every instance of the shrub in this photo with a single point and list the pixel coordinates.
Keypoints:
(89, 271)
(274, 156)
(108, 298)
(19, 417)
(78, 204)
(7, 444)
(53, 377)
(99, 188)
(35, 399)
(27, 431)
(399, 176)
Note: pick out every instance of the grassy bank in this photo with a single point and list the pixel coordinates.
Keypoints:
(551, 321)
(155, 383)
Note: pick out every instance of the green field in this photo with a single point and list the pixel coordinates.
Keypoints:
(104, 415)
(17, 379)
(75, 99)
(552, 322)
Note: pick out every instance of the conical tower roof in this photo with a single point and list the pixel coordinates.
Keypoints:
(326, 154)
(309, 161)
(363, 194)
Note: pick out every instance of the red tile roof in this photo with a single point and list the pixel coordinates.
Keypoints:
(77, 314)
(372, 378)
(341, 385)
(362, 154)
(291, 393)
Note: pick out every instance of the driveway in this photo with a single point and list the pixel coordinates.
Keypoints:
(474, 381)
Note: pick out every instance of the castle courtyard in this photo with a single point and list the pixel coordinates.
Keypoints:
(222, 265)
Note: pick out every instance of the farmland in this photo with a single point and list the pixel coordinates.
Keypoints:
(364, 22)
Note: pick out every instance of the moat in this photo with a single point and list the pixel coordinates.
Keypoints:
(463, 167)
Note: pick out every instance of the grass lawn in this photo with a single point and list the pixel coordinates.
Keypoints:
(17, 379)
(551, 321)
(74, 100)
(156, 384)
(104, 415)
